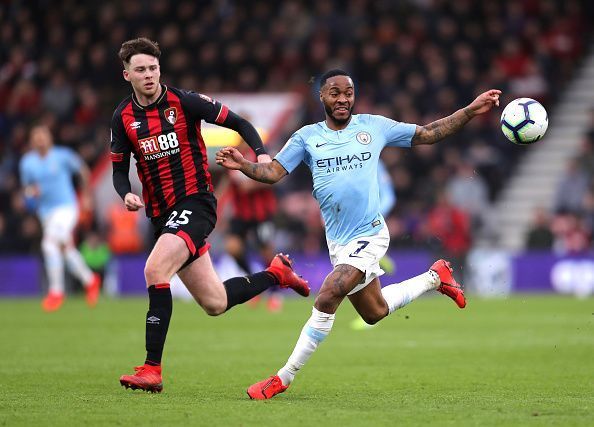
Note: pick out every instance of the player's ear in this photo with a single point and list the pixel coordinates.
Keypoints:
(126, 75)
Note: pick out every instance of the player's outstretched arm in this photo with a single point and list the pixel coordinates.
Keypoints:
(263, 171)
(439, 129)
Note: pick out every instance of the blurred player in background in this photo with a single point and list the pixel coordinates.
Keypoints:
(160, 126)
(47, 177)
(252, 225)
(343, 153)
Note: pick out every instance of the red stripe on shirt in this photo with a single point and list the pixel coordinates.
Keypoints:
(202, 147)
(222, 115)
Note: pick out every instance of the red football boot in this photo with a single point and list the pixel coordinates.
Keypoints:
(449, 286)
(281, 267)
(266, 389)
(92, 290)
(147, 378)
(52, 302)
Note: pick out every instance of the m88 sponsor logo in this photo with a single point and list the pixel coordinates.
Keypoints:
(155, 147)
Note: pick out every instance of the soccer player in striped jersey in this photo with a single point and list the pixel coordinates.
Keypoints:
(342, 153)
(160, 126)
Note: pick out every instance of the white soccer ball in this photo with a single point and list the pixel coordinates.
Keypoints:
(524, 121)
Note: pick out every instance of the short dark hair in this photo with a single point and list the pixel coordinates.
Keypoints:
(332, 73)
(140, 45)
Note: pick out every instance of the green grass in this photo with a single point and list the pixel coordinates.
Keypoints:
(522, 361)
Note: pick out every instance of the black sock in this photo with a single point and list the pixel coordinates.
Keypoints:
(243, 263)
(242, 289)
(157, 321)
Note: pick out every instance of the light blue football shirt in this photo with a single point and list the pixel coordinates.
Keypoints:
(387, 196)
(53, 175)
(344, 167)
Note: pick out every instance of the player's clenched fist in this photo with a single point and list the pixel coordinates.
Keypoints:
(133, 202)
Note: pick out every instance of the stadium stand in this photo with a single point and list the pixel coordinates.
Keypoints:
(414, 61)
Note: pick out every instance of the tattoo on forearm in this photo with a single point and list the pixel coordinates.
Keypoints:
(445, 127)
(260, 172)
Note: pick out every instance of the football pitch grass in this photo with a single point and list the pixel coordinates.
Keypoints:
(528, 360)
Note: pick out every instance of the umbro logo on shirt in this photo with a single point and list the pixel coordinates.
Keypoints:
(134, 125)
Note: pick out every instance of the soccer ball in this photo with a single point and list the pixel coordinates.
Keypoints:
(524, 121)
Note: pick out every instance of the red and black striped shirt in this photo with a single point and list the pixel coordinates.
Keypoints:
(166, 142)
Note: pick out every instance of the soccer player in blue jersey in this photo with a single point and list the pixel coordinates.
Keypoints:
(342, 153)
(46, 175)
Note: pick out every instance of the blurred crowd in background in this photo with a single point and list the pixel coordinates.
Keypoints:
(414, 61)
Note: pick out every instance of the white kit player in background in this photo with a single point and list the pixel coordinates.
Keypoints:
(46, 176)
(342, 153)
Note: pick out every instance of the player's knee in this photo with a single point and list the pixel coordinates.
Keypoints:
(372, 318)
(214, 308)
(153, 274)
(327, 302)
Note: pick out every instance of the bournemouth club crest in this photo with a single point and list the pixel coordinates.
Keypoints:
(171, 115)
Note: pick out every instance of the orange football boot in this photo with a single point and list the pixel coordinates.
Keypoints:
(52, 302)
(92, 290)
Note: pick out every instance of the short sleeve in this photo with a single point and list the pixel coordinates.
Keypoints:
(203, 107)
(292, 153)
(398, 134)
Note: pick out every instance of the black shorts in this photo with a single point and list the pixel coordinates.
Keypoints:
(192, 219)
(261, 231)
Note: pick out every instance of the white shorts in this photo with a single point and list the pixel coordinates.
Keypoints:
(59, 223)
(363, 253)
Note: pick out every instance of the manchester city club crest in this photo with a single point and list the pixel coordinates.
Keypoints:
(171, 115)
(364, 138)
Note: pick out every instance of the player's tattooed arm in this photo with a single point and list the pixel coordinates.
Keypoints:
(263, 171)
(268, 173)
(439, 129)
